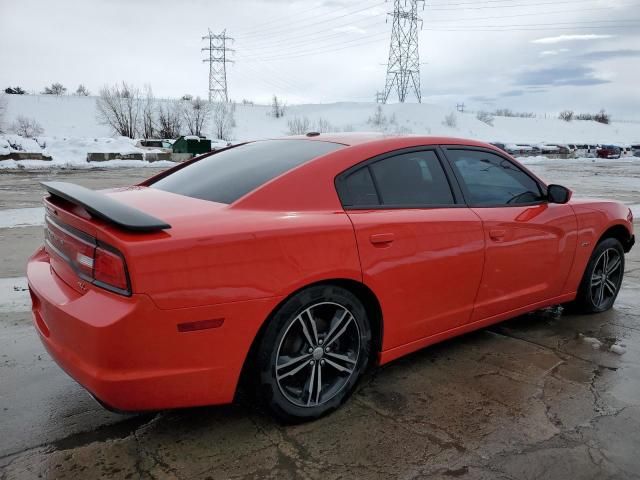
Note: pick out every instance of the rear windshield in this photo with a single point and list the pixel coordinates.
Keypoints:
(226, 176)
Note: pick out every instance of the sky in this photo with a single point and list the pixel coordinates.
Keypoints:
(541, 56)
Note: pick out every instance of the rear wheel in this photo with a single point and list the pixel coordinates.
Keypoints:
(313, 352)
(602, 278)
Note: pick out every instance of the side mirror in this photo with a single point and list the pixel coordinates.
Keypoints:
(558, 194)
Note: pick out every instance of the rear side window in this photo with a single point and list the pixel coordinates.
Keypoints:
(405, 180)
(492, 180)
(358, 189)
(226, 176)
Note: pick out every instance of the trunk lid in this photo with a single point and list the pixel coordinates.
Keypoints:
(74, 230)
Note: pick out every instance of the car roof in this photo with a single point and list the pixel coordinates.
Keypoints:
(359, 138)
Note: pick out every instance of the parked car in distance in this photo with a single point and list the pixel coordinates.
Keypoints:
(625, 150)
(295, 264)
(521, 149)
(608, 151)
(500, 145)
(586, 151)
(635, 150)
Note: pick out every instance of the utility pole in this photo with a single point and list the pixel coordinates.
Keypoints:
(460, 107)
(379, 97)
(403, 68)
(217, 60)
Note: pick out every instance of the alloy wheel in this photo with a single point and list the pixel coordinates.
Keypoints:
(606, 277)
(317, 354)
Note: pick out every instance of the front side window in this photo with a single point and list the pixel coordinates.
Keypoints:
(405, 180)
(492, 180)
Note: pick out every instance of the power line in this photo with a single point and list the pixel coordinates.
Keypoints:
(304, 26)
(309, 39)
(299, 50)
(217, 60)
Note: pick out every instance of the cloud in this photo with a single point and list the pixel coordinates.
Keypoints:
(513, 93)
(350, 29)
(610, 54)
(570, 38)
(560, 76)
(548, 53)
(482, 99)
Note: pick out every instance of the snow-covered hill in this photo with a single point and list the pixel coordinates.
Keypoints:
(70, 116)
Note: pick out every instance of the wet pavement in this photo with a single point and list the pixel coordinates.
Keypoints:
(546, 395)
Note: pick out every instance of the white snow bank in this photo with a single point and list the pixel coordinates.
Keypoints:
(44, 164)
(21, 217)
(542, 160)
(70, 116)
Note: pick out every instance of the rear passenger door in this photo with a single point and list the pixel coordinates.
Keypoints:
(421, 248)
(530, 243)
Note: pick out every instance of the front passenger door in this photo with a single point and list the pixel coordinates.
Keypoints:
(530, 243)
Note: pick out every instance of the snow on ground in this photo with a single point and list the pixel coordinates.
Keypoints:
(72, 151)
(14, 295)
(71, 127)
(21, 217)
(70, 116)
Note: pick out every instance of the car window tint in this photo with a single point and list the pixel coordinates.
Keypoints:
(358, 189)
(412, 179)
(493, 180)
(228, 175)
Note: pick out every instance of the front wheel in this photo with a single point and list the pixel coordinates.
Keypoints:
(602, 278)
(313, 352)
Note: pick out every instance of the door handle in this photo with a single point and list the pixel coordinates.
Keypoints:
(381, 238)
(497, 234)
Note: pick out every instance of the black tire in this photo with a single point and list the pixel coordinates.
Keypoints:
(588, 299)
(295, 397)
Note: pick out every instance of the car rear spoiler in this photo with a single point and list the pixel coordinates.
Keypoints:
(106, 208)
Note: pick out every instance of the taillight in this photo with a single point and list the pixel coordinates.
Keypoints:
(93, 261)
(109, 268)
(74, 247)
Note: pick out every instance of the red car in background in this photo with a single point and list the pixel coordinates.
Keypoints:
(296, 263)
(608, 151)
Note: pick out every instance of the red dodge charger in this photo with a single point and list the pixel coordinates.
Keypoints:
(296, 263)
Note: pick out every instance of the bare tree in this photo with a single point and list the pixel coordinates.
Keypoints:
(15, 91)
(148, 123)
(323, 126)
(3, 109)
(55, 89)
(485, 117)
(298, 126)
(119, 108)
(196, 114)
(26, 127)
(224, 121)
(81, 91)
(169, 119)
(566, 115)
(450, 120)
(378, 119)
(602, 117)
(277, 107)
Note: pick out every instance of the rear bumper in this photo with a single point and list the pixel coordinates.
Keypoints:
(130, 355)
